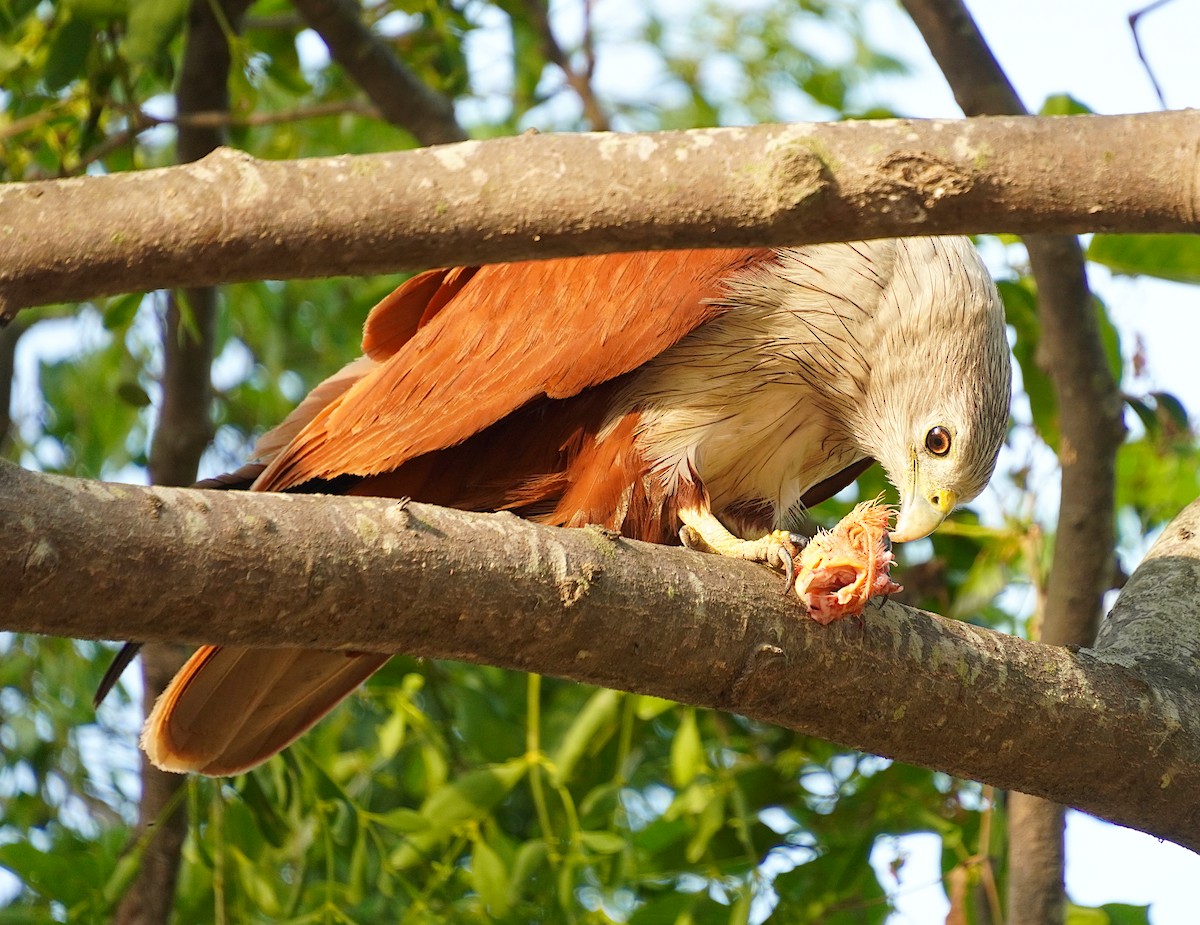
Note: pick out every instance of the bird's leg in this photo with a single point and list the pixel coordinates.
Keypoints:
(703, 531)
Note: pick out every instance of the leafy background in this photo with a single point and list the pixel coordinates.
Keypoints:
(448, 792)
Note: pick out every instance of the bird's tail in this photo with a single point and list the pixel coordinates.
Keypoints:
(230, 708)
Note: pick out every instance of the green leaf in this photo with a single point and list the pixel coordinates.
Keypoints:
(469, 798)
(584, 732)
(603, 842)
(151, 25)
(710, 822)
(120, 311)
(1157, 480)
(132, 394)
(404, 820)
(391, 735)
(530, 858)
(489, 877)
(258, 884)
(1146, 414)
(1063, 104)
(1110, 338)
(1126, 914)
(1020, 308)
(1174, 257)
(687, 752)
(649, 707)
(472, 795)
(264, 809)
(68, 55)
(1173, 408)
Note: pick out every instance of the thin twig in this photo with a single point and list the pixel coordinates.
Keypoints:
(1134, 18)
(33, 120)
(580, 82)
(140, 121)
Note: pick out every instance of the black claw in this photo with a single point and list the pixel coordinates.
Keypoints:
(789, 570)
(799, 540)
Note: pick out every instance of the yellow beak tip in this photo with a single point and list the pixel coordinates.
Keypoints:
(920, 517)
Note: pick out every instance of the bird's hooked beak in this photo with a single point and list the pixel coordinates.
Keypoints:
(922, 512)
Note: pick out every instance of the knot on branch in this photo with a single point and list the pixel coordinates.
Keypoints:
(798, 174)
(919, 181)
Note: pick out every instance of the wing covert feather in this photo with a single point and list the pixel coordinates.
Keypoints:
(491, 340)
(398, 316)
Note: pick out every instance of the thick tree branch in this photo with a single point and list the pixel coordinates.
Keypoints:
(89, 559)
(230, 217)
(402, 98)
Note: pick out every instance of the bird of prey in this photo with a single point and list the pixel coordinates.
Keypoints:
(709, 391)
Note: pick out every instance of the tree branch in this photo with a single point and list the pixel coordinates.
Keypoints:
(402, 98)
(233, 218)
(88, 559)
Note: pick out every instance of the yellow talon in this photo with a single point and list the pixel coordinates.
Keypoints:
(703, 531)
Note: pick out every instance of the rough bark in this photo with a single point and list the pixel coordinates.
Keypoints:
(1104, 730)
(230, 217)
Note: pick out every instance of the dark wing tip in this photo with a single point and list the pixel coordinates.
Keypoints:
(127, 654)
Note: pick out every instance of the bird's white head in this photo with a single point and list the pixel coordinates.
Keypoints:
(937, 395)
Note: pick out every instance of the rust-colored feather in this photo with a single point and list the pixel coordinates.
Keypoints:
(393, 322)
(481, 355)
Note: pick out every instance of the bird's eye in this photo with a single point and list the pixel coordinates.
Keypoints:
(937, 441)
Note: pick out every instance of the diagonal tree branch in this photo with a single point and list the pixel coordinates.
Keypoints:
(402, 98)
(89, 559)
(232, 218)
(1091, 431)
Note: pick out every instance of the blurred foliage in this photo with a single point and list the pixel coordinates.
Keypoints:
(1174, 257)
(448, 792)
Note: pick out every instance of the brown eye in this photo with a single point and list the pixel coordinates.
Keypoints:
(937, 441)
